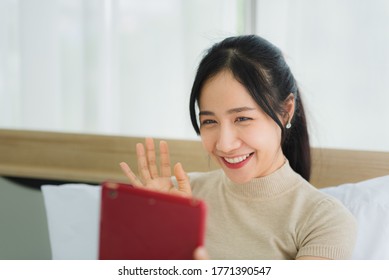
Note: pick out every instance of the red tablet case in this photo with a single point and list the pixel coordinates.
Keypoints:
(146, 225)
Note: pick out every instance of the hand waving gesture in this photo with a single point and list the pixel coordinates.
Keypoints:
(150, 177)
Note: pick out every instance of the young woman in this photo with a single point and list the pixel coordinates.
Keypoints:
(252, 123)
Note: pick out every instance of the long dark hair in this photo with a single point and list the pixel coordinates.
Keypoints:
(261, 68)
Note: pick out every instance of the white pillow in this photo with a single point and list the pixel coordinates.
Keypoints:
(368, 201)
(73, 218)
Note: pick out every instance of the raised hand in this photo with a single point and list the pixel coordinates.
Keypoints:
(149, 176)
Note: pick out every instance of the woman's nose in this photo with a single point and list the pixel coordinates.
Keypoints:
(228, 140)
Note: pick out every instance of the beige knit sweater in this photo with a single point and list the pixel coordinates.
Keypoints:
(280, 216)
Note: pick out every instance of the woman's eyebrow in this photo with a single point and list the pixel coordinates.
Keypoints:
(239, 109)
(206, 113)
(230, 111)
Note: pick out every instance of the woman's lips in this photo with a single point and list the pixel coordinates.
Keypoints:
(236, 162)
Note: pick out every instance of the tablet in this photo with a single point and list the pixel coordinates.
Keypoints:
(140, 224)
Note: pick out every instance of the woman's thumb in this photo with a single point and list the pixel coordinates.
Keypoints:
(182, 179)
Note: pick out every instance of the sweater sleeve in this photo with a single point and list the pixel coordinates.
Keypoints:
(328, 232)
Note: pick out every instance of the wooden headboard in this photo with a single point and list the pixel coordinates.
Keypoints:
(95, 158)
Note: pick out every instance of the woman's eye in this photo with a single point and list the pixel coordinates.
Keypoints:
(206, 122)
(242, 119)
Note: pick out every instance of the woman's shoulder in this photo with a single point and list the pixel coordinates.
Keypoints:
(314, 194)
(327, 228)
(328, 207)
(322, 203)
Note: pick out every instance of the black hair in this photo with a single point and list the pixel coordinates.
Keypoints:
(261, 68)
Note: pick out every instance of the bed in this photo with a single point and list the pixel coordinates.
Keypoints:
(94, 158)
(360, 179)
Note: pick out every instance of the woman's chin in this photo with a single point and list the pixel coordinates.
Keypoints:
(237, 176)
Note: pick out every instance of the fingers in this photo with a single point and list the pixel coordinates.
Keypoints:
(200, 253)
(130, 175)
(148, 173)
(182, 179)
(151, 158)
(164, 159)
(143, 168)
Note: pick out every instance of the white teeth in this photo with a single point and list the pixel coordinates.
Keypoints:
(236, 159)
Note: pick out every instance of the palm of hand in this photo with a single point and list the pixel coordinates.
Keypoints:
(150, 178)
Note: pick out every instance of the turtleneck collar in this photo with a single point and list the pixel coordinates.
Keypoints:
(272, 185)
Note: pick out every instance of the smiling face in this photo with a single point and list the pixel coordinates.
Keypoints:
(234, 130)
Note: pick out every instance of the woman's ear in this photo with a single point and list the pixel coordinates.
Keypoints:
(289, 106)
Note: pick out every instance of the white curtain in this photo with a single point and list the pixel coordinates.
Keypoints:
(126, 66)
(339, 53)
(106, 66)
